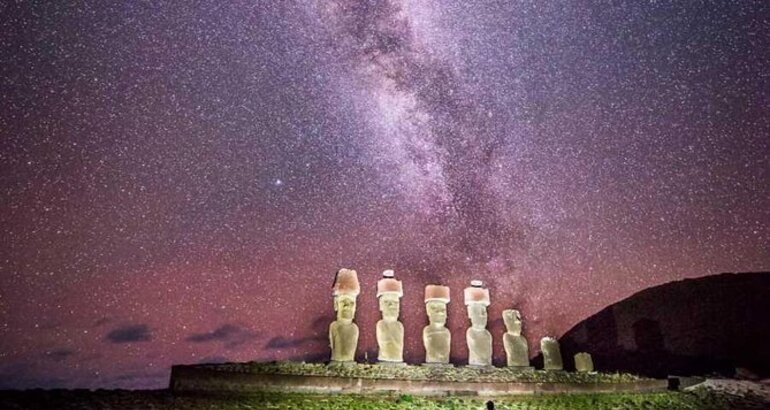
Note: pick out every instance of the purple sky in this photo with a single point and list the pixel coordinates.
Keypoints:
(180, 183)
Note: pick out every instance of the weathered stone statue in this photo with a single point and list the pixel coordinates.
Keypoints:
(516, 348)
(390, 332)
(436, 336)
(584, 363)
(551, 354)
(343, 333)
(477, 336)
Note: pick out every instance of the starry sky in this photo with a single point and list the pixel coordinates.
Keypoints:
(180, 180)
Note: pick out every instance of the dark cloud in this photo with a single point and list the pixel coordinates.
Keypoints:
(319, 328)
(129, 334)
(59, 354)
(280, 342)
(320, 324)
(230, 335)
(22, 374)
(213, 359)
(140, 380)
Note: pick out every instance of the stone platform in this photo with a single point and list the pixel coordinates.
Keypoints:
(416, 380)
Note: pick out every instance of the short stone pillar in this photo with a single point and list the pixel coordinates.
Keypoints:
(549, 346)
(516, 347)
(343, 333)
(436, 337)
(390, 332)
(584, 363)
(477, 336)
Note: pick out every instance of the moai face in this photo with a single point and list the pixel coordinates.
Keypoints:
(477, 312)
(345, 306)
(389, 306)
(512, 319)
(436, 312)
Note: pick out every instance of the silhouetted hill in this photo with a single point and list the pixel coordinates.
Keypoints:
(694, 326)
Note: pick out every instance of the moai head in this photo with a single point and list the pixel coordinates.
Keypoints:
(436, 313)
(477, 300)
(345, 306)
(389, 291)
(478, 315)
(436, 299)
(389, 306)
(346, 289)
(512, 319)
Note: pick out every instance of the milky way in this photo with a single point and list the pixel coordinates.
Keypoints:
(180, 183)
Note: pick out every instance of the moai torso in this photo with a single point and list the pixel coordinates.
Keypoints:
(344, 340)
(479, 347)
(516, 347)
(437, 341)
(584, 362)
(390, 338)
(551, 354)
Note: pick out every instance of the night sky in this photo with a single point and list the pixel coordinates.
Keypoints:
(180, 182)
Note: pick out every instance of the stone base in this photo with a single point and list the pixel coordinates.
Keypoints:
(480, 366)
(344, 377)
(342, 363)
(385, 363)
(438, 365)
(521, 368)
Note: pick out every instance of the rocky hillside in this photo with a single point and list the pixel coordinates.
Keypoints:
(713, 324)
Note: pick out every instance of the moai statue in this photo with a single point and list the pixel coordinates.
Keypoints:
(477, 336)
(436, 336)
(584, 363)
(343, 333)
(551, 354)
(390, 332)
(516, 348)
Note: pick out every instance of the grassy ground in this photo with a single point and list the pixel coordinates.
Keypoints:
(162, 399)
